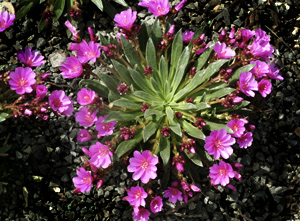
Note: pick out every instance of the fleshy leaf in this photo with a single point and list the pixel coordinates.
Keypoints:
(99, 4)
(149, 130)
(110, 82)
(177, 47)
(213, 68)
(124, 73)
(165, 150)
(192, 131)
(163, 72)
(217, 126)
(58, 8)
(219, 93)
(195, 158)
(128, 145)
(204, 57)
(156, 34)
(151, 55)
(100, 89)
(150, 112)
(3, 116)
(184, 106)
(236, 74)
(126, 104)
(122, 116)
(143, 36)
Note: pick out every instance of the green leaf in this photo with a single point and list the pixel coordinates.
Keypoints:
(100, 89)
(163, 73)
(192, 131)
(110, 82)
(149, 130)
(143, 36)
(3, 116)
(219, 93)
(145, 96)
(122, 116)
(103, 40)
(157, 88)
(128, 145)
(151, 55)
(170, 113)
(109, 9)
(184, 106)
(150, 112)
(140, 80)
(195, 158)
(202, 60)
(237, 107)
(5, 149)
(121, 2)
(58, 8)
(126, 104)
(131, 54)
(177, 46)
(181, 66)
(174, 126)
(202, 106)
(42, 25)
(99, 4)
(213, 68)
(236, 74)
(165, 150)
(124, 73)
(25, 8)
(217, 126)
(156, 33)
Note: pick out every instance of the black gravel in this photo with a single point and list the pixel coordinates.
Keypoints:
(36, 176)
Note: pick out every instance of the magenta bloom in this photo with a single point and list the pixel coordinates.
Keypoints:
(85, 117)
(261, 49)
(245, 140)
(187, 36)
(84, 135)
(21, 80)
(221, 173)
(136, 196)
(105, 129)
(180, 5)
(85, 96)
(247, 34)
(59, 101)
(247, 84)
(260, 69)
(143, 166)
(237, 126)
(141, 214)
(88, 52)
(72, 68)
(223, 52)
(30, 58)
(6, 20)
(261, 37)
(72, 29)
(173, 194)
(146, 3)
(273, 72)
(83, 181)
(219, 143)
(41, 91)
(156, 204)
(70, 109)
(264, 87)
(125, 19)
(159, 7)
(100, 155)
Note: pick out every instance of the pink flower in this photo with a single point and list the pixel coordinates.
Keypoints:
(84, 135)
(41, 91)
(146, 3)
(264, 87)
(70, 109)
(6, 20)
(30, 59)
(273, 72)
(245, 140)
(218, 143)
(237, 126)
(173, 194)
(59, 101)
(100, 155)
(88, 52)
(260, 69)
(187, 36)
(156, 204)
(125, 19)
(180, 5)
(221, 173)
(195, 188)
(159, 7)
(136, 196)
(72, 29)
(141, 214)
(247, 84)
(21, 80)
(83, 181)
(143, 166)
(72, 68)
(105, 129)
(85, 96)
(223, 52)
(247, 34)
(85, 117)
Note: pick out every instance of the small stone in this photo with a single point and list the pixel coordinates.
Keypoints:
(123, 176)
(69, 158)
(19, 155)
(255, 167)
(40, 43)
(260, 156)
(65, 178)
(192, 206)
(238, 22)
(56, 59)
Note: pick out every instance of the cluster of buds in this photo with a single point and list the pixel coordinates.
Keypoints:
(179, 162)
(130, 34)
(225, 75)
(122, 88)
(165, 131)
(187, 189)
(199, 45)
(178, 115)
(192, 72)
(231, 99)
(200, 123)
(189, 100)
(47, 14)
(188, 144)
(148, 70)
(110, 50)
(75, 12)
(127, 133)
(145, 106)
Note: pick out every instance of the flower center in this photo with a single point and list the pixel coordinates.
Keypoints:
(89, 118)
(57, 103)
(86, 180)
(262, 87)
(86, 98)
(145, 165)
(106, 126)
(218, 144)
(174, 192)
(102, 152)
(223, 171)
(138, 194)
(22, 82)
